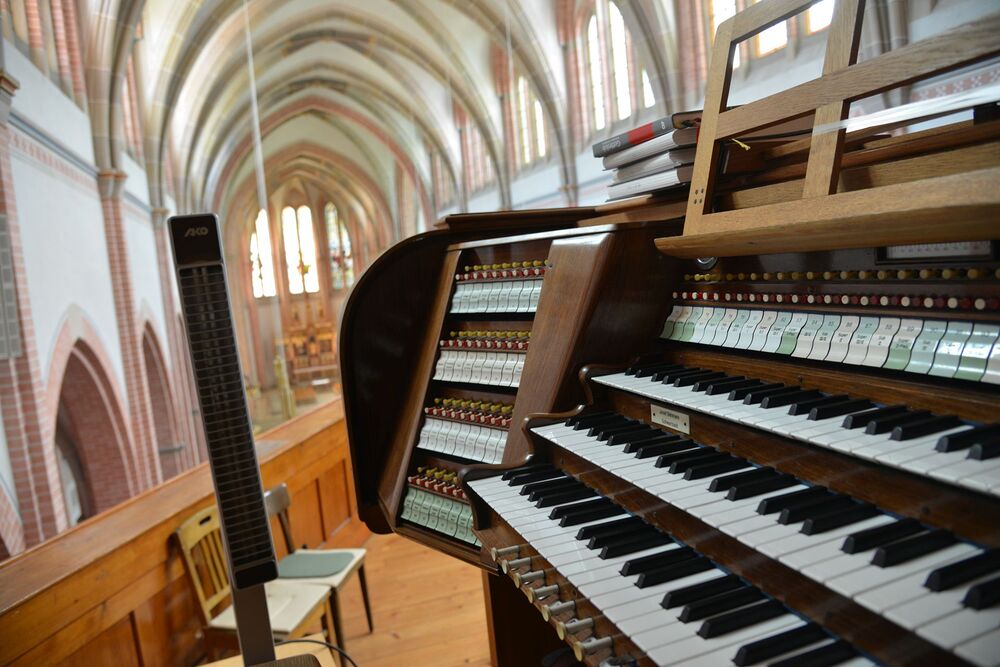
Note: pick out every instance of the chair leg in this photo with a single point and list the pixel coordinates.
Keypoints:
(329, 626)
(338, 625)
(364, 595)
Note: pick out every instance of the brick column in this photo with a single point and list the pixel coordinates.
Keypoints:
(184, 404)
(36, 43)
(28, 430)
(111, 184)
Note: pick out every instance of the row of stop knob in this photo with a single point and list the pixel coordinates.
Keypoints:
(578, 632)
(881, 300)
(973, 273)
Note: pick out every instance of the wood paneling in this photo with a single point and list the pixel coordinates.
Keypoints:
(68, 597)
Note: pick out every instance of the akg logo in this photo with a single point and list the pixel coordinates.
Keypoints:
(196, 231)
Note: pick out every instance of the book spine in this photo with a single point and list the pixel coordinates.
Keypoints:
(633, 137)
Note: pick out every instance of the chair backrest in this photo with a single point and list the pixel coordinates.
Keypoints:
(276, 501)
(200, 539)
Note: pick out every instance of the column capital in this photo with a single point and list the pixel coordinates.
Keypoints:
(8, 86)
(111, 183)
(159, 216)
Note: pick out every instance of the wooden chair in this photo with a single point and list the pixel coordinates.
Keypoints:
(294, 607)
(277, 501)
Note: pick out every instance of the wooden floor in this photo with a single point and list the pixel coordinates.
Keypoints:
(428, 609)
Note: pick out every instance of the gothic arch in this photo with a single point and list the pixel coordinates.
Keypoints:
(168, 444)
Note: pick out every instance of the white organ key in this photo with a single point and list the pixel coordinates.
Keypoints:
(858, 347)
(878, 348)
(806, 336)
(841, 342)
(961, 627)
(982, 650)
(824, 337)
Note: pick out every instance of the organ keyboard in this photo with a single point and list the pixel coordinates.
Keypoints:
(671, 444)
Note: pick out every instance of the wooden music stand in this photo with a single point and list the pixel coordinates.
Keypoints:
(962, 206)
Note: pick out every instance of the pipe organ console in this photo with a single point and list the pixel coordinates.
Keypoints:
(668, 444)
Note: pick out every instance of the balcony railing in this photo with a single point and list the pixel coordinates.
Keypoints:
(112, 590)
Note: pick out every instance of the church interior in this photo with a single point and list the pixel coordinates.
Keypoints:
(542, 332)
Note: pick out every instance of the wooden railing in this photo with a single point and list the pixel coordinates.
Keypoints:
(112, 591)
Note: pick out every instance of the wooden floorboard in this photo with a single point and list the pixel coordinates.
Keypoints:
(428, 609)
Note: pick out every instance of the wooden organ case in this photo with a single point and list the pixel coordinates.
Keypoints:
(784, 452)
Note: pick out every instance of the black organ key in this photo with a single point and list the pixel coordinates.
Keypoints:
(781, 400)
(605, 433)
(579, 420)
(698, 452)
(681, 467)
(741, 618)
(541, 475)
(649, 450)
(837, 409)
(874, 537)
(779, 644)
(861, 419)
(804, 407)
(621, 437)
(830, 654)
(579, 508)
(983, 595)
(758, 395)
(657, 561)
(720, 604)
(947, 577)
(577, 518)
(704, 385)
(922, 427)
(912, 547)
(838, 519)
(550, 499)
(984, 451)
(594, 427)
(673, 572)
(639, 435)
(725, 386)
(886, 423)
(793, 499)
(759, 488)
(703, 470)
(755, 475)
(966, 439)
(601, 541)
(528, 471)
(559, 483)
(670, 378)
(634, 446)
(646, 371)
(689, 380)
(741, 393)
(687, 594)
(620, 525)
(801, 512)
(626, 547)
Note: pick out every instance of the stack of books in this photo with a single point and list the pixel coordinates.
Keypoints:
(660, 155)
(651, 157)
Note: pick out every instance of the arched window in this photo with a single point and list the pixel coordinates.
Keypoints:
(261, 267)
(530, 123)
(300, 249)
(341, 258)
(477, 165)
(610, 68)
(819, 16)
(720, 10)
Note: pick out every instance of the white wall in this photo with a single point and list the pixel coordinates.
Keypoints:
(143, 266)
(65, 256)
